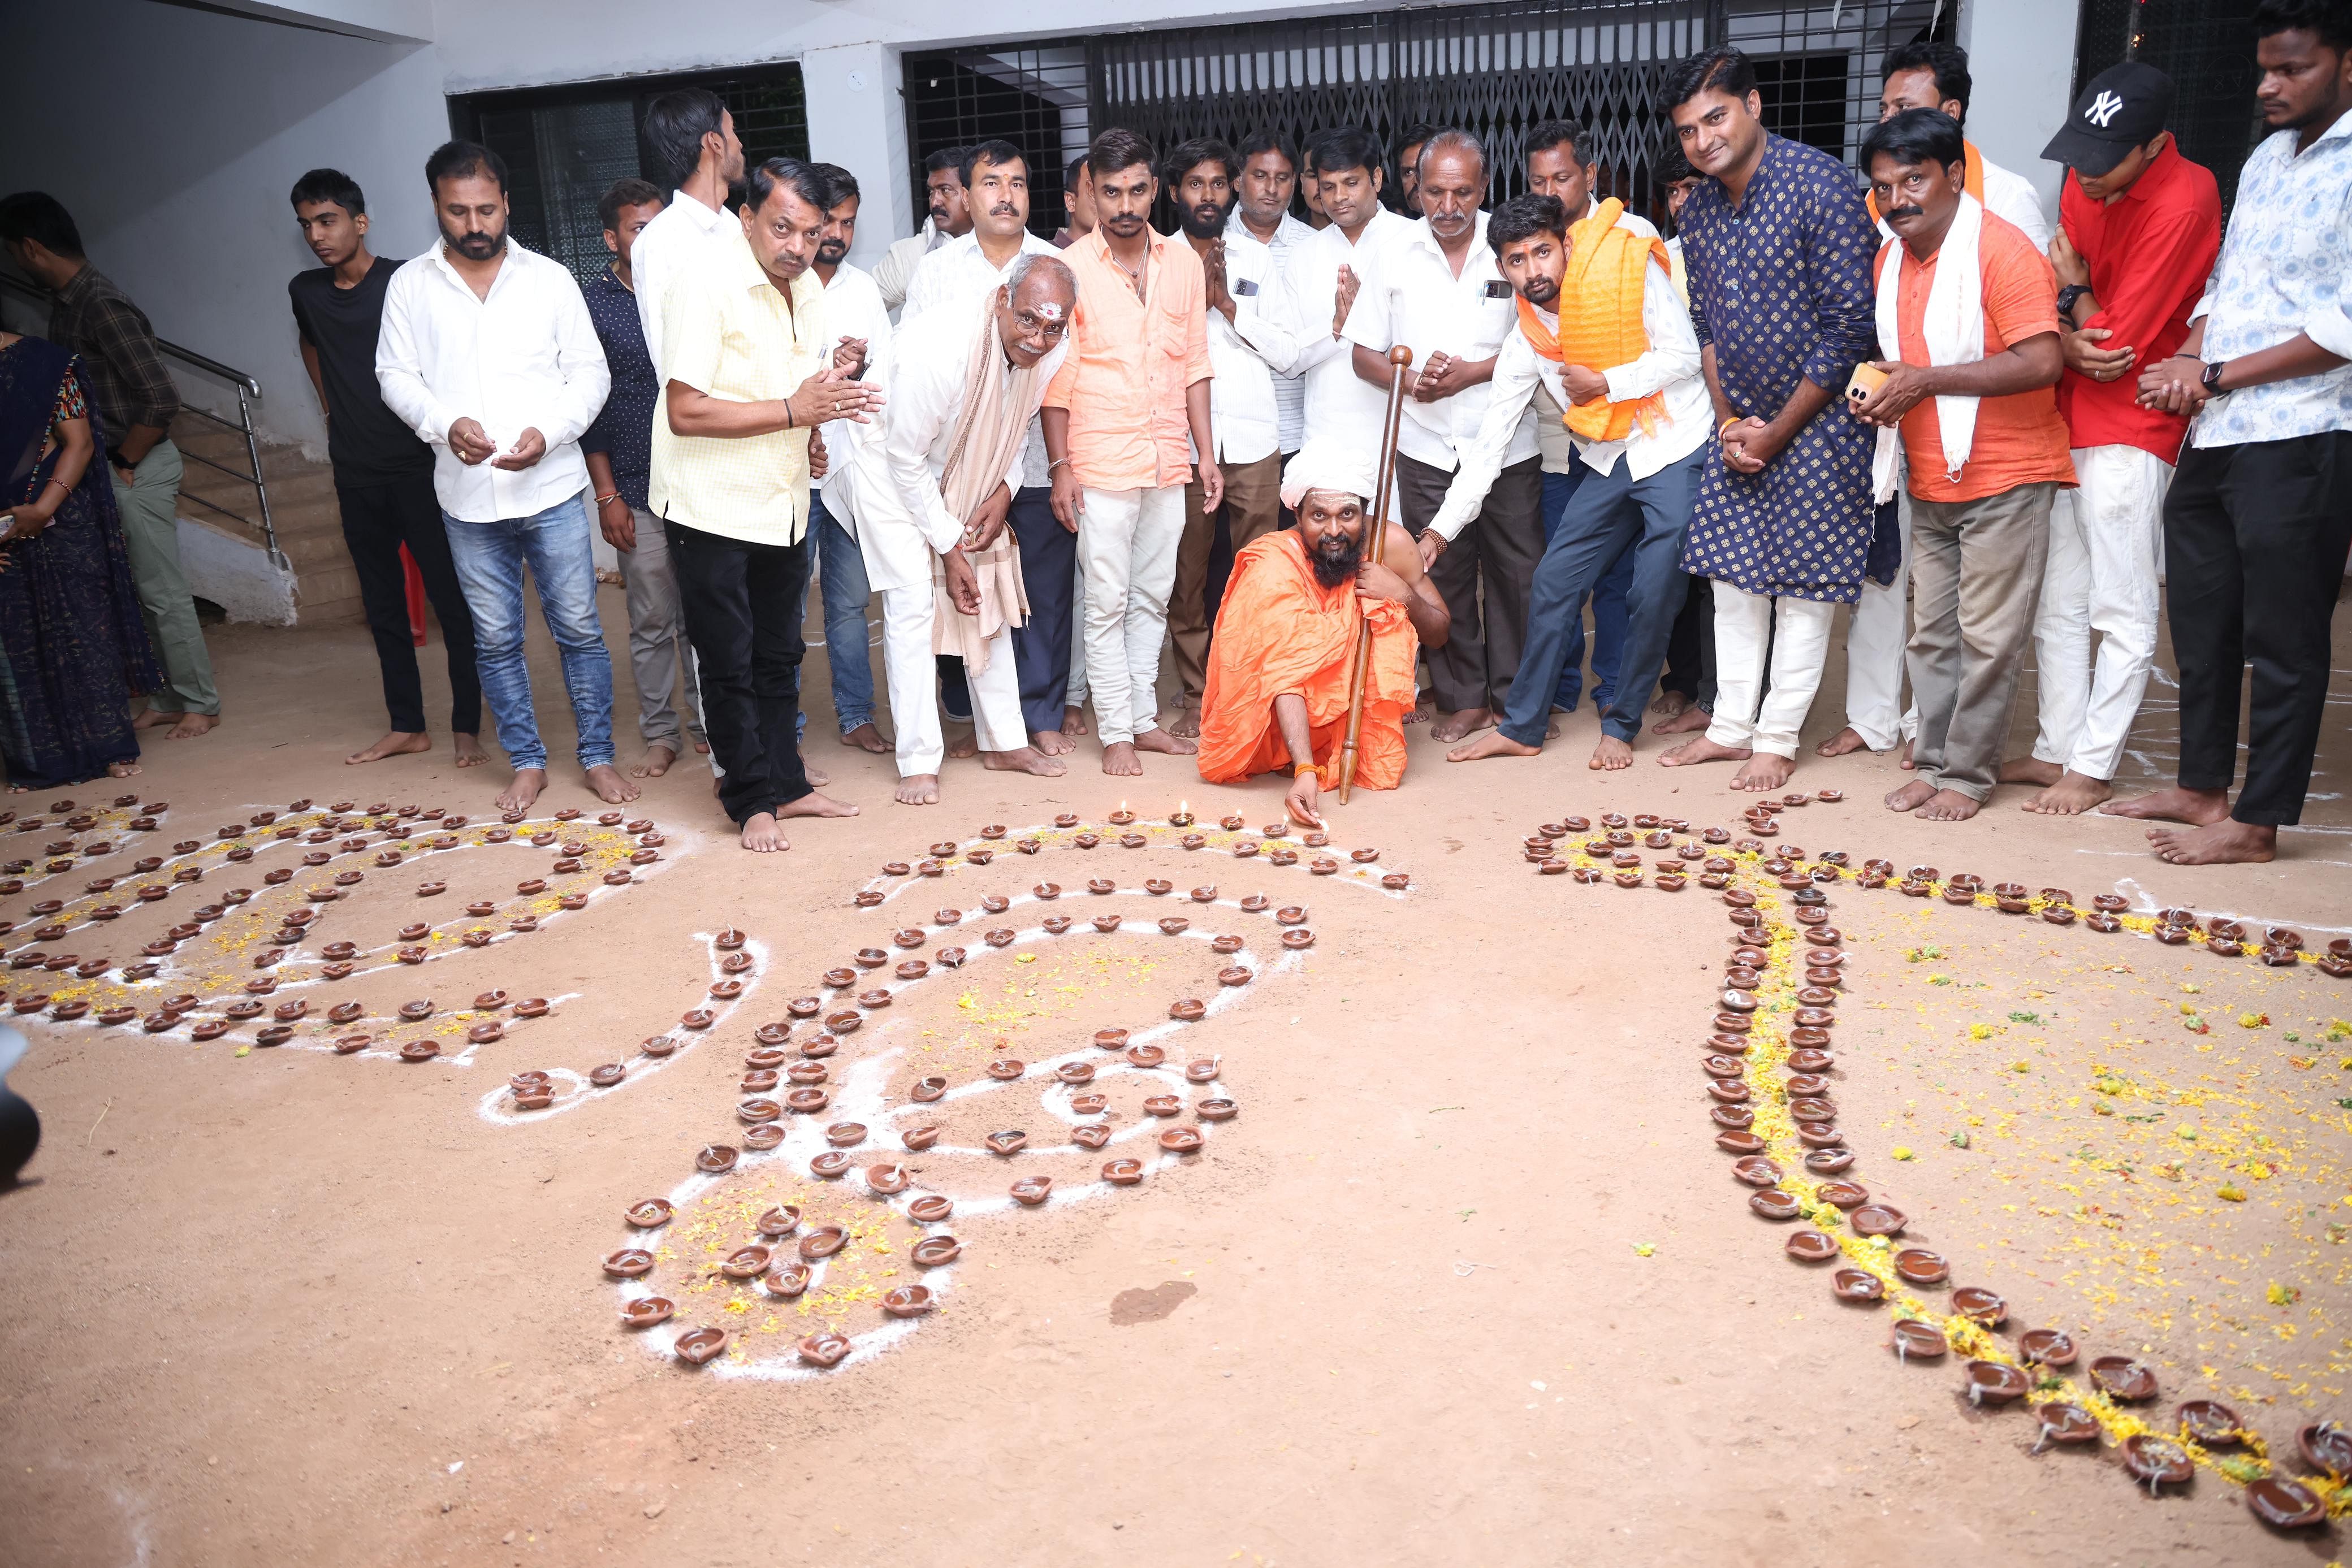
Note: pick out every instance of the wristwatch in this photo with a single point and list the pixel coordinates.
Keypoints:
(2067, 298)
(2211, 380)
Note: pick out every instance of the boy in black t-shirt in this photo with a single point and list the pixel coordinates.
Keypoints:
(384, 471)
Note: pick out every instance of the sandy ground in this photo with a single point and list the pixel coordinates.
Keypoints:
(1465, 1281)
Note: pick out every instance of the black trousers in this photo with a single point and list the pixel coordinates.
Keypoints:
(742, 614)
(1690, 651)
(1049, 570)
(378, 519)
(2255, 543)
(1497, 550)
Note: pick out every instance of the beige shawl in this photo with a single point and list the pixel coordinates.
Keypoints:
(998, 400)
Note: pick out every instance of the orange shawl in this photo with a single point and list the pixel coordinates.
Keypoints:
(1601, 319)
(1280, 633)
(1971, 180)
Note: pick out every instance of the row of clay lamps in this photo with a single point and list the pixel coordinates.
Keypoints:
(770, 1067)
(535, 1091)
(1732, 1080)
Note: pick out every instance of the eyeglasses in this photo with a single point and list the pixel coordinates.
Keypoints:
(1037, 327)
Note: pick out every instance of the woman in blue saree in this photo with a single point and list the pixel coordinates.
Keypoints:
(73, 650)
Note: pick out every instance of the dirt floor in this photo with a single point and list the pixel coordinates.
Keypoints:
(1465, 1281)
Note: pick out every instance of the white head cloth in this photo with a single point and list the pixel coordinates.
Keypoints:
(1330, 465)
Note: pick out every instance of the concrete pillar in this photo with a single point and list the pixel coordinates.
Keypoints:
(857, 118)
(2021, 63)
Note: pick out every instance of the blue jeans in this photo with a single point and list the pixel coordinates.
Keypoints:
(1608, 600)
(489, 558)
(841, 570)
(1611, 515)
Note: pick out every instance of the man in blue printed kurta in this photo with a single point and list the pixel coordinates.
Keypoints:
(1779, 248)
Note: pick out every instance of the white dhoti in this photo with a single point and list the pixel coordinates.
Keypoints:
(913, 674)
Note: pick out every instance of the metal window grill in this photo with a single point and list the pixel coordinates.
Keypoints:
(1493, 69)
(564, 146)
(2207, 47)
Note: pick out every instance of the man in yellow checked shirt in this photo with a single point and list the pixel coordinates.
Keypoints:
(1602, 327)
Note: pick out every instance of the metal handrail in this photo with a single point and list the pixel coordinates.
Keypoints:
(247, 391)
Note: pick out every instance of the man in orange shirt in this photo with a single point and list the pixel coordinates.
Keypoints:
(1134, 387)
(1967, 321)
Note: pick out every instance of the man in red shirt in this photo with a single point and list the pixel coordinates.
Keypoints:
(2138, 229)
(1968, 319)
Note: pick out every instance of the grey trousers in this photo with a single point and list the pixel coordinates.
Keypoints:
(1976, 583)
(656, 633)
(150, 506)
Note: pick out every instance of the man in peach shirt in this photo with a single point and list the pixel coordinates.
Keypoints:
(1134, 387)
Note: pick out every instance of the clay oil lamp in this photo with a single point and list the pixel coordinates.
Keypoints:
(2210, 1424)
(1225, 944)
(1163, 1106)
(1628, 879)
(1106, 923)
(1298, 939)
(1756, 1171)
(351, 1044)
(1739, 1142)
(2286, 1504)
(1281, 857)
(1010, 1141)
(886, 1179)
(1235, 974)
(1774, 1203)
(2123, 1378)
(1811, 1245)
(629, 1263)
(606, 1076)
(2158, 1461)
(867, 899)
(2047, 1347)
(1858, 1285)
(1807, 1085)
(1092, 1135)
(1191, 1010)
(2063, 1423)
(1006, 1069)
(486, 1032)
(2326, 1446)
(1180, 1140)
(657, 1046)
(1917, 1339)
(933, 1251)
(1259, 903)
(1175, 926)
(1031, 1191)
(418, 1010)
(831, 1164)
(744, 1263)
(806, 1072)
(757, 1110)
(241, 1011)
(1842, 1195)
(716, 1159)
(211, 1029)
(645, 1311)
(1997, 1383)
(1737, 1117)
(1396, 881)
(808, 1101)
(1028, 846)
(1203, 1070)
(1216, 1110)
(1920, 1266)
(1111, 1039)
(928, 1090)
(697, 1347)
(1075, 1073)
(1811, 1060)
(1877, 1219)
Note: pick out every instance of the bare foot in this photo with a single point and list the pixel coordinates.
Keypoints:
(468, 748)
(816, 805)
(1702, 750)
(155, 719)
(1187, 725)
(702, 748)
(1422, 714)
(113, 771)
(2073, 794)
(1910, 797)
(1903, 759)
(1669, 703)
(1120, 762)
(918, 790)
(963, 746)
(192, 724)
(1494, 745)
(2032, 770)
(1950, 806)
(817, 777)
(2225, 842)
(1160, 740)
(865, 738)
(519, 795)
(2198, 808)
(1025, 760)
(1691, 720)
(762, 834)
(1453, 727)
(1052, 742)
(1764, 771)
(1611, 755)
(398, 743)
(1074, 720)
(658, 756)
(609, 786)
(1844, 740)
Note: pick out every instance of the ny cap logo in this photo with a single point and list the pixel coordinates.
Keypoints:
(2103, 109)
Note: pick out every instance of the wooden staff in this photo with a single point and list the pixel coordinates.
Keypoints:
(1360, 668)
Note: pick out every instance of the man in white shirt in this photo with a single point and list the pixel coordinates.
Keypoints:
(1438, 291)
(1250, 340)
(1338, 406)
(1269, 179)
(1918, 76)
(949, 218)
(995, 182)
(488, 353)
(853, 316)
(931, 480)
(693, 134)
(1641, 429)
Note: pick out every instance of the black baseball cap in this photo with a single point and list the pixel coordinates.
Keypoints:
(2123, 108)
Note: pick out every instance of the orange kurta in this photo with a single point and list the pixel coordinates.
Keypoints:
(1282, 632)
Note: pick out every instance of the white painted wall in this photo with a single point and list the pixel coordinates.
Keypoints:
(2021, 69)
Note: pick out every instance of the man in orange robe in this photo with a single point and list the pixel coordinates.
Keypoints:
(1286, 637)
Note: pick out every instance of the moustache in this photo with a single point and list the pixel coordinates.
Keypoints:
(1004, 210)
(477, 244)
(1895, 213)
(1124, 222)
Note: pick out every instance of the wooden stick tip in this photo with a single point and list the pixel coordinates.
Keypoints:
(1400, 356)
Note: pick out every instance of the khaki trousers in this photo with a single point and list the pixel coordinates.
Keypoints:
(1976, 580)
(149, 506)
(1253, 509)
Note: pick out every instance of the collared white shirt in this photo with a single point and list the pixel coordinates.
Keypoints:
(958, 270)
(1247, 354)
(1289, 245)
(1340, 404)
(666, 249)
(1413, 296)
(894, 462)
(2013, 197)
(895, 270)
(2283, 267)
(1552, 439)
(1670, 366)
(525, 356)
(853, 308)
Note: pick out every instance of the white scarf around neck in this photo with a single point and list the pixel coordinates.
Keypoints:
(1953, 323)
